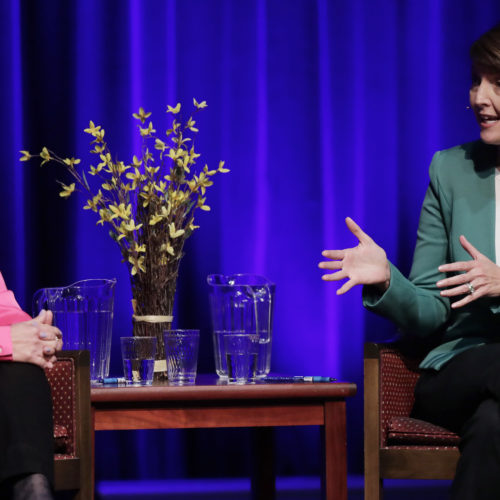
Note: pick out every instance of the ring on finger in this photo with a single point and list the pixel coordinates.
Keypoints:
(471, 288)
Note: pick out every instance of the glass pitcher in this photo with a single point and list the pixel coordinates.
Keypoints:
(242, 303)
(83, 312)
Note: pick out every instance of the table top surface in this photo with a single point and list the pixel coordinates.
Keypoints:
(210, 387)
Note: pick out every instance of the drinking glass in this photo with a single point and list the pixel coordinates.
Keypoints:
(138, 355)
(181, 351)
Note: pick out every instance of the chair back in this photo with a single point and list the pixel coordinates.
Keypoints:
(398, 377)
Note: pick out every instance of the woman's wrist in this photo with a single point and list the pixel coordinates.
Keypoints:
(383, 286)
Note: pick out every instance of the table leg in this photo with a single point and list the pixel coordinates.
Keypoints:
(263, 473)
(334, 433)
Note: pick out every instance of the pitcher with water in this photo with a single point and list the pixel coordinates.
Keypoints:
(242, 303)
(83, 312)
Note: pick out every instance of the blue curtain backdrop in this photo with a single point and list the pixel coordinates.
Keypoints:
(320, 108)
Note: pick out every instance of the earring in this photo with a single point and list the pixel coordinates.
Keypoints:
(467, 107)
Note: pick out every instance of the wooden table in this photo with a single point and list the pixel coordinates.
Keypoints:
(212, 403)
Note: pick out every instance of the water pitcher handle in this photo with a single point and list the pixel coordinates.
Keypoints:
(39, 301)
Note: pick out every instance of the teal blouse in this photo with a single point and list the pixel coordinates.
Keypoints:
(460, 199)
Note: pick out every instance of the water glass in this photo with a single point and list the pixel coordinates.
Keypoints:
(241, 352)
(181, 351)
(138, 355)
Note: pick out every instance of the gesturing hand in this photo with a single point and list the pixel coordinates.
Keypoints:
(365, 264)
(480, 273)
(36, 341)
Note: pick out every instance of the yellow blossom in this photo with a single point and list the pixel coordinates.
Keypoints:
(141, 115)
(160, 145)
(155, 219)
(202, 206)
(105, 160)
(161, 187)
(92, 129)
(120, 167)
(67, 190)
(209, 172)
(173, 233)
(26, 156)
(221, 167)
(105, 216)
(145, 132)
(167, 248)
(122, 211)
(139, 248)
(136, 177)
(190, 125)
(175, 110)
(92, 204)
(130, 226)
(137, 264)
(95, 170)
(71, 162)
(201, 105)
(45, 156)
(152, 170)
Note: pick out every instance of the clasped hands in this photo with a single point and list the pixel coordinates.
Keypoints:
(367, 264)
(36, 341)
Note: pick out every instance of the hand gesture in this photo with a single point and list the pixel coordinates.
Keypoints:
(480, 277)
(36, 341)
(365, 264)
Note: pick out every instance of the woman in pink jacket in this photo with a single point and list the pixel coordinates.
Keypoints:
(27, 347)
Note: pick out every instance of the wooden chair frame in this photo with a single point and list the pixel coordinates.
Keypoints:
(77, 473)
(382, 461)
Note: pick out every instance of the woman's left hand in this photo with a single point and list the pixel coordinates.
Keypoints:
(480, 277)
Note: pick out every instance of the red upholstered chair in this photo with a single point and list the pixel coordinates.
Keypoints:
(397, 446)
(70, 386)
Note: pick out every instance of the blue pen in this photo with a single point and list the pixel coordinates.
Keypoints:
(113, 380)
(299, 378)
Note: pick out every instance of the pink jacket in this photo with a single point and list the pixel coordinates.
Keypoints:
(10, 313)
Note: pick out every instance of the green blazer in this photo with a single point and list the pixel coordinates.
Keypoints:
(460, 199)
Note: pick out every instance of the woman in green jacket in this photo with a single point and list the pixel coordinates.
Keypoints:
(452, 295)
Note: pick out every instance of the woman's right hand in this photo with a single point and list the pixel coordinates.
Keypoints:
(36, 341)
(365, 264)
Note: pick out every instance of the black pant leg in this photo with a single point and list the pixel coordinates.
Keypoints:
(464, 396)
(450, 396)
(26, 427)
(478, 470)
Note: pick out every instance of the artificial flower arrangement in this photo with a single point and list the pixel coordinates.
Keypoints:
(148, 204)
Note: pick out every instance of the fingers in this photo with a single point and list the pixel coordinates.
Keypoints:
(339, 275)
(333, 254)
(460, 279)
(47, 317)
(456, 266)
(331, 265)
(356, 230)
(469, 247)
(458, 290)
(345, 287)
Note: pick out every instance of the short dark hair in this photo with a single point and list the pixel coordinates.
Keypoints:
(485, 52)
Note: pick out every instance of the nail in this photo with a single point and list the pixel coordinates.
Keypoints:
(43, 335)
